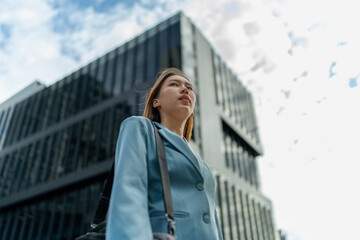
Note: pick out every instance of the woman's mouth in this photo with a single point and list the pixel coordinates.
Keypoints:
(184, 100)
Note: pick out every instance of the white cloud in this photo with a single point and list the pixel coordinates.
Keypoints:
(48, 42)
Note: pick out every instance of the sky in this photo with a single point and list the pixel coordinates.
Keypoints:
(298, 58)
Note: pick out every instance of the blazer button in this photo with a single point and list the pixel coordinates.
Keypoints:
(200, 186)
(206, 218)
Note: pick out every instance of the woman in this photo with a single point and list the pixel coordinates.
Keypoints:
(136, 205)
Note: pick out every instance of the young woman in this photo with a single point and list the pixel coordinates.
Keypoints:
(136, 205)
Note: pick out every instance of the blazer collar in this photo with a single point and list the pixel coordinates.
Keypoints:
(180, 144)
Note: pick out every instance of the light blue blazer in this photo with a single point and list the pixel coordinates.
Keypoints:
(136, 206)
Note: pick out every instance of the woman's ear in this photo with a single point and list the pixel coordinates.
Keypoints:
(156, 103)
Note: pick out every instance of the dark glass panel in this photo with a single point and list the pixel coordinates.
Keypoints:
(100, 79)
(13, 125)
(8, 225)
(34, 167)
(92, 158)
(90, 85)
(51, 217)
(77, 93)
(59, 217)
(119, 73)
(39, 110)
(27, 117)
(3, 174)
(72, 96)
(34, 114)
(76, 144)
(47, 158)
(49, 99)
(39, 162)
(2, 118)
(57, 168)
(18, 174)
(10, 173)
(70, 148)
(14, 226)
(54, 155)
(4, 124)
(115, 116)
(27, 166)
(104, 146)
(20, 124)
(100, 131)
(84, 85)
(163, 48)
(95, 85)
(23, 226)
(129, 69)
(110, 73)
(56, 107)
(152, 56)
(2, 223)
(33, 213)
(174, 48)
(81, 162)
(65, 91)
(140, 62)
(66, 143)
(71, 210)
(3, 162)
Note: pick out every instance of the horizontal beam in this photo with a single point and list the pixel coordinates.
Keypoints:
(250, 142)
(64, 182)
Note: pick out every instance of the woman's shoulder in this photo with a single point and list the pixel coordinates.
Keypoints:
(137, 121)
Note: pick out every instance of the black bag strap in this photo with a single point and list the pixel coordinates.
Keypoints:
(103, 205)
(165, 181)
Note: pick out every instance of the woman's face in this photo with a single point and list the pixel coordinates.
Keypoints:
(176, 98)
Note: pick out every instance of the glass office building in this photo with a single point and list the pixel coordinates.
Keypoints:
(60, 141)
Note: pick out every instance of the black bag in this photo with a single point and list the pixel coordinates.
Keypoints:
(98, 225)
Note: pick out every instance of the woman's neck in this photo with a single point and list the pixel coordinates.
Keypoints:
(176, 126)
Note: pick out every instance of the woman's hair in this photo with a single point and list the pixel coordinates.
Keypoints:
(153, 113)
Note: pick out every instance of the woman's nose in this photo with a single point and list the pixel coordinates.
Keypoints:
(184, 89)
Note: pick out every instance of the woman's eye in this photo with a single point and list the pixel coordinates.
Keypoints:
(190, 88)
(173, 84)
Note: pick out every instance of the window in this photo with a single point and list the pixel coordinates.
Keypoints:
(119, 74)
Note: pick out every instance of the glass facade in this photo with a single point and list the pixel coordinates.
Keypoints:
(60, 141)
(234, 99)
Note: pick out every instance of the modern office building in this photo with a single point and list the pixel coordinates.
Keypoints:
(60, 140)
(7, 107)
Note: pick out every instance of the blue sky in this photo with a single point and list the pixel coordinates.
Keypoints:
(298, 58)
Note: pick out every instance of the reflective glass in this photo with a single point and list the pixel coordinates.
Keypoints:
(119, 74)
(129, 69)
(109, 74)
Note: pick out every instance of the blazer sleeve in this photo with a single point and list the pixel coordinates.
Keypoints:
(128, 216)
(220, 237)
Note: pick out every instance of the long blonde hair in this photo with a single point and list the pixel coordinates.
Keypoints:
(153, 113)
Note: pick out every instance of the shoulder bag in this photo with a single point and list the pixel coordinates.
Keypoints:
(98, 225)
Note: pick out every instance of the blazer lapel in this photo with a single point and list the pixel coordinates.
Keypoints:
(178, 143)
